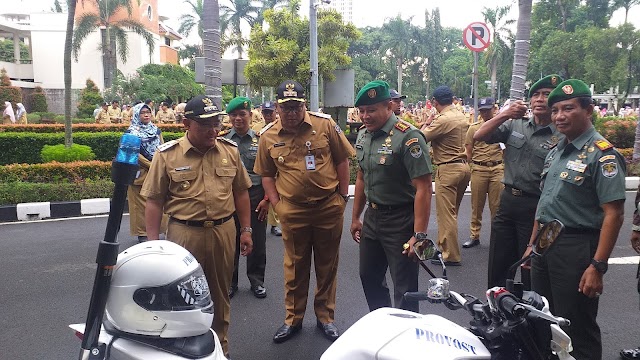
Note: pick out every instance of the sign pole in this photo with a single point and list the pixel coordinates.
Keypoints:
(475, 86)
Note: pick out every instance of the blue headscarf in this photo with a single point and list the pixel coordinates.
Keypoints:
(149, 133)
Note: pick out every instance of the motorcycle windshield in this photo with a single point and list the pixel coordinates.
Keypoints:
(190, 292)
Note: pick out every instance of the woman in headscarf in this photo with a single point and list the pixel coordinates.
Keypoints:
(150, 138)
(21, 114)
(8, 117)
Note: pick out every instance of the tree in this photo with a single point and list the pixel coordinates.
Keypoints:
(9, 93)
(282, 51)
(68, 48)
(89, 98)
(266, 5)
(57, 8)
(498, 49)
(231, 23)
(626, 4)
(521, 50)
(212, 56)
(189, 21)
(400, 43)
(6, 51)
(38, 100)
(114, 37)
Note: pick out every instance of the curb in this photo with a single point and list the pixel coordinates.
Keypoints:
(54, 210)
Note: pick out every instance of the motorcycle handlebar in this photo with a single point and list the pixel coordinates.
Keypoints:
(416, 296)
(509, 305)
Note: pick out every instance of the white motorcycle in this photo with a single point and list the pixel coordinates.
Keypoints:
(151, 301)
(511, 325)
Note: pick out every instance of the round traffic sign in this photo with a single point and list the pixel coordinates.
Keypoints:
(476, 36)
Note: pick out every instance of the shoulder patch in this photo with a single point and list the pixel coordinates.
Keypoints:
(228, 141)
(401, 126)
(320, 115)
(607, 157)
(224, 132)
(267, 127)
(411, 141)
(603, 144)
(167, 145)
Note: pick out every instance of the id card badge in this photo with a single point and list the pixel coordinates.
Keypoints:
(310, 160)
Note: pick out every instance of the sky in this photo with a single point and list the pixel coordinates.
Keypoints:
(459, 13)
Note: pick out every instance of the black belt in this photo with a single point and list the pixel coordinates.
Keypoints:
(203, 223)
(487, 163)
(580, 231)
(459, 161)
(389, 207)
(518, 192)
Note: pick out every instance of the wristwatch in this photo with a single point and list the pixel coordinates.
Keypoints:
(420, 236)
(246, 229)
(601, 266)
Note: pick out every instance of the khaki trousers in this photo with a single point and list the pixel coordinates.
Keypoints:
(308, 230)
(484, 181)
(451, 183)
(214, 248)
(137, 206)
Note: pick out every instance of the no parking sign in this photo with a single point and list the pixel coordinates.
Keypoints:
(476, 36)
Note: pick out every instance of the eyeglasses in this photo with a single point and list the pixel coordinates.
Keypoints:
(291, 109)
(209, 125)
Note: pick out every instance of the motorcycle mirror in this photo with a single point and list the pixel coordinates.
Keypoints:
(425, 249)
(547, 236)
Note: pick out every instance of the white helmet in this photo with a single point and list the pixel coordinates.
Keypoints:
(159, 289)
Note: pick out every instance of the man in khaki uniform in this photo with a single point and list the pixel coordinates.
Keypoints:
(200, 182)
(487, 171)
(257, 121)
(310, 156)
(115, 113)
(103, 115)
(165, 115)
(447, 133)
(269, 114)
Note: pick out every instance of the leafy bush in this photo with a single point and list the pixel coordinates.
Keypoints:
(89, 98)
(56, 172)
(8, 92)
(62, 154)
(84, 125)
(47, 115)
(83, 121)
(59, 119)
(620, 132)
(38, 100)
(33, 118)
(22, 192)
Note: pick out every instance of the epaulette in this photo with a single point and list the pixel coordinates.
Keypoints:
(267, 127)
(402, 126)
(224, 132)
(475, 123)
(321, 115)
(228, 141)
(167, 145)
(603, 144)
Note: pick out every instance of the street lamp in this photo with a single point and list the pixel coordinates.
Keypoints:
(313, 47)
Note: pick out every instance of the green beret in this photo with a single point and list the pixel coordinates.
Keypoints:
(373, 93)
(239, 103)
(549, 82)
(569, 89)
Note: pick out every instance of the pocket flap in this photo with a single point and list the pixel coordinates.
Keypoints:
(183, 175)
(226, 172)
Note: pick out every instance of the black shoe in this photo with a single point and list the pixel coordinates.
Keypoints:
(276, 231)
(471, 243)
(142, 239)
(446, 262)
(329, 330)
(232, 291)
(630, 354)
(286, 332)
(259, 291)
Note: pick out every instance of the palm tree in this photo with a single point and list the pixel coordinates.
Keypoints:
(266, 5)
(113, 34)
(498, 48)
(212, 56)
(68, 41)
(189, 21)
(626, 4)
(521, 50)
(400, 43)
(231, 21)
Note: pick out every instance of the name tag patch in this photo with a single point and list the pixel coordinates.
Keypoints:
(517, 134)
(576, 166)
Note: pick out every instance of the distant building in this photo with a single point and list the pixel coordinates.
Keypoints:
(44, 36)
(344, 7)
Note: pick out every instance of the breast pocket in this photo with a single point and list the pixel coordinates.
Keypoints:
(183, 183)
(515, 141)
(282, 157)
(225, 178)
(320, 150)
(573, 177)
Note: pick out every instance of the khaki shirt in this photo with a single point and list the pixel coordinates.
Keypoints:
(193, 185)
(126, 116)
(579, 177)
(447, 132)
(248, 147)
(103, 117)
(481, 151)
(115, 114)
(166, 117)
(527, 144)
(283, 153)
(389, 159)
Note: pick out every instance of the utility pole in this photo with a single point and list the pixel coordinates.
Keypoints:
(313, 41)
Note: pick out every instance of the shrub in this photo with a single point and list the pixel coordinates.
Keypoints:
(38, 100)
(21, 192)
(33, 118)
(56, 172)
(62, 154)
(83, 121)
(620, 132)
(47, 115)
(8, 92)
(89, 98)
(83, 125)
(59, 119)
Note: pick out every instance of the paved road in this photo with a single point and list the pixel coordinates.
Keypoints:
(47, 269)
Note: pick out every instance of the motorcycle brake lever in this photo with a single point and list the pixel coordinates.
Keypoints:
(544, 316)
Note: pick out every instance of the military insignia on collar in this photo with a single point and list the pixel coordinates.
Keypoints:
(603, 144)
(372, 93)
(289, 92)
(554, 81)
(610, 169)
(568, 89)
